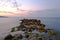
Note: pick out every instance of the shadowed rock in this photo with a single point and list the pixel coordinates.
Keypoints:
(8, 37)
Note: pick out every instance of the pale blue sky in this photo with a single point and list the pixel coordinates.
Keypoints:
(41, 4)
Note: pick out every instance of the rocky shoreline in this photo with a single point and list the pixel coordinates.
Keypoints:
(31, 29)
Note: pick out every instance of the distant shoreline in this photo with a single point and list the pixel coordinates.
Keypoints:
(3, 17)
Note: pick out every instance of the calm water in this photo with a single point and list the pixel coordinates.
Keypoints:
(7, 23)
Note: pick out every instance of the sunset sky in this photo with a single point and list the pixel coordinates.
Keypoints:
(31, 8)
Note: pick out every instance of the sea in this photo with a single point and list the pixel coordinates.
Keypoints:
(7, 23)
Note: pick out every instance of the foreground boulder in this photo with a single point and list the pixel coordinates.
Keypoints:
(8, 37)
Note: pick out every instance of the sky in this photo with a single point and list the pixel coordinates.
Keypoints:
(30, 8)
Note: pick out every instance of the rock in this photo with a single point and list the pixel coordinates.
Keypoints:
(8, 37)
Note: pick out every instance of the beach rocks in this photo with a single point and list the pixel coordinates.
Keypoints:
(31, 29)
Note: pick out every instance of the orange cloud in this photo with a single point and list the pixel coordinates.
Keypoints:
(17, 13)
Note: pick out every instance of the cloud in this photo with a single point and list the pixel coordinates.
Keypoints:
(45, 13)
(36, 13)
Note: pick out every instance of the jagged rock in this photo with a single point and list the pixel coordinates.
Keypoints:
(33, 25)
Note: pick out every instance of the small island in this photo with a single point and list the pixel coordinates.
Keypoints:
(3, 17)
(31, 29)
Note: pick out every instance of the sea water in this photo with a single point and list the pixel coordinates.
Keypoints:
(7, 23)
